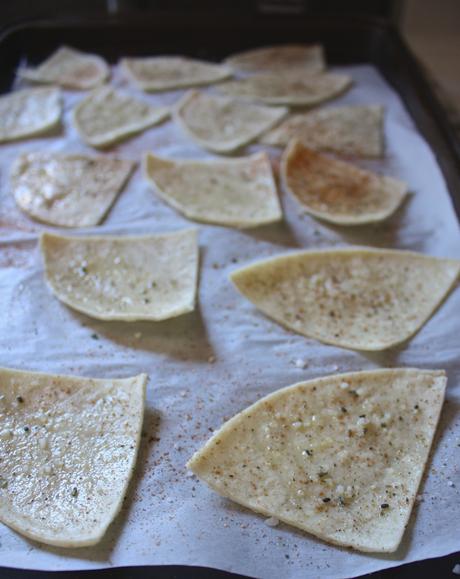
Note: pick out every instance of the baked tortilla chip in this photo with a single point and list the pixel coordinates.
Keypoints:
(107, 116)
(151, 277)
(29, 113)
(70, 69)
(350, 130)
(306, 58)
(223, 124)
(339, 192)
(68, 190)
(236, 192)
(357, 298)
(293, 89)
(68, 447)
(340, 457)
(162, 73)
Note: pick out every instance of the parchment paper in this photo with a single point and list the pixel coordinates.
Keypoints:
(206, 366)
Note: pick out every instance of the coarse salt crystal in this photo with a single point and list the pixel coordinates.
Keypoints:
(300, 363)
(344, 385)
(450, 483)
(456, 569)
(272, 522)
(117, 260)
(138, 335)
(211, 359)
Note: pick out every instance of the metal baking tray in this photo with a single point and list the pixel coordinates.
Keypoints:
(212, 36)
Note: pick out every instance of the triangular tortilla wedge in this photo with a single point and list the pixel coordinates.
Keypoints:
(237, 192)
(223, 124)
(293, 89)
(357, 298)
(151, 277)
(349, 130)
(340, 457)
(306, 58)
(162, 73)
(70, 69)
(339, 192)
(68, 190)
(29, 113)
(68, 447)
(107, 116)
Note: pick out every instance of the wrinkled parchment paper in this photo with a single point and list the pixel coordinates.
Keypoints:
(206, 366)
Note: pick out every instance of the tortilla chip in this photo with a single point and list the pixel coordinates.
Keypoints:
(29, 113)
(107, 116)
(161, 73)
(306, 58)
(70, 69)
(294, 89)
(340, 457)
(68, 190)
(357, 298)
(222, 124)
(339, 192)
(151, 277)
(237, 192)
(68, 447)
(350, 130)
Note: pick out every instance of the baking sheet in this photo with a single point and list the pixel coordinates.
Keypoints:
(206, 366)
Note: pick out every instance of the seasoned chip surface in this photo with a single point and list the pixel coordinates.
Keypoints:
(340, 457)
(222, 124)
(161, 73)
(70, 69)
(68, 448)
(68, 190)
(339, 192)
(107, 116)
(306, 58)
(238, 192)
(151, 277)
(357, 298)
(29, 113)
(292, 89)
(349, 130)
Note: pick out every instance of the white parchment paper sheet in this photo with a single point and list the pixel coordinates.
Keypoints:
(206, 366)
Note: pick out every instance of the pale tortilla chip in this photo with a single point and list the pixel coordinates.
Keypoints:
(68, 190)
(236, 192)
(161, 73)
(340, 457)
(107, 116)
(349, 130)
(29, 113)
(306, 58)
(339, 192)
(151, 277)
(357, 298)
(293, 89)
(223, 124)
(68, 447)
(70, 69)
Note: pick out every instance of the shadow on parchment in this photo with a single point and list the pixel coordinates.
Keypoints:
(101, 551)
(384, 234)
(279, 233)
(184, 337)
